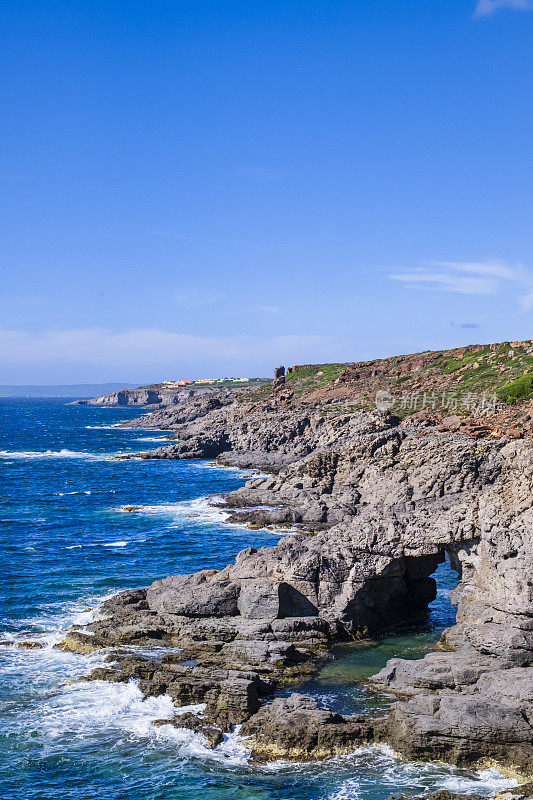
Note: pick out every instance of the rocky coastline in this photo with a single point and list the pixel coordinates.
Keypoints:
(374, 503)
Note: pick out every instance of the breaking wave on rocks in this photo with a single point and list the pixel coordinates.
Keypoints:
(413, 778)
(203, 511)
(200, 509)
(101, 712)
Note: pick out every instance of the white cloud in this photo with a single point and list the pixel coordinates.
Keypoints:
(485, 8)
(94, 354)
(471, 277)
(447, 281)
(268, 309)
(494, 269)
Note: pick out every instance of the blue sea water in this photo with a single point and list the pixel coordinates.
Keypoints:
(66, 544)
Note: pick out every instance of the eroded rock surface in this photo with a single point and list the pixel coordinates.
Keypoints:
(297, 728)
(385, 504)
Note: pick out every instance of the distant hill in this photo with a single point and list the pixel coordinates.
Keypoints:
(445, 379)
(505, 368)
(63, 390)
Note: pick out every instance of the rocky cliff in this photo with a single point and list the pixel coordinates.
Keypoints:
(145, 396)
(165, 395)
(375, 502)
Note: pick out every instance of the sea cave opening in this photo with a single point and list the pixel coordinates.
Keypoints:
(428, 606)
(425, 612)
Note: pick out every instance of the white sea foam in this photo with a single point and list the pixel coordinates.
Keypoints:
(100, 544)
(152, 439)
(360, 770)
(349, 790)
(210, 465)
(197, 709)
(241, 472)
(422, 776)
(64, 453)
(202, 511)
(50, 626)
(486, 780)
(101, 427)
(64, 494)
(137, 428)
(231, 751)
(118, 427)
(87, 709)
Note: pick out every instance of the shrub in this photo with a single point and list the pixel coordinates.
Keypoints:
(520, 389)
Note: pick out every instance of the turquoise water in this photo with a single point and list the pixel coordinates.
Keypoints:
(67, 544)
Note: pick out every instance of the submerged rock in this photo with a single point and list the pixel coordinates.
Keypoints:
(29, 644)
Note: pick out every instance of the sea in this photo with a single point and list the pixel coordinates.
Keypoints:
(67, 543)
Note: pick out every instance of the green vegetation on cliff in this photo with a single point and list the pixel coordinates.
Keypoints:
(314, 376)
(520, 389)
(501, 369)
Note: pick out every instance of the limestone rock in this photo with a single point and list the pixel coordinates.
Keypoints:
(297, 728)
(194, 596)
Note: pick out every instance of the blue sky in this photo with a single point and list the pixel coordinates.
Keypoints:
(212, 188)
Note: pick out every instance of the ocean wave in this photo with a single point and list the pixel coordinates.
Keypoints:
(486, 781)
(64, 453)
(202, 511)
(231, 751)
(152, 439)
(421, 776)
(138, 428)
(50, 625)
(349, 790)
(217, 467)
(99, 544)
(396, 775)
(88, 709)
(102, 427)
(240, 472)
(118, 426)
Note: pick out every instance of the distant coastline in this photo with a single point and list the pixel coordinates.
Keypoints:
(62, 390)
